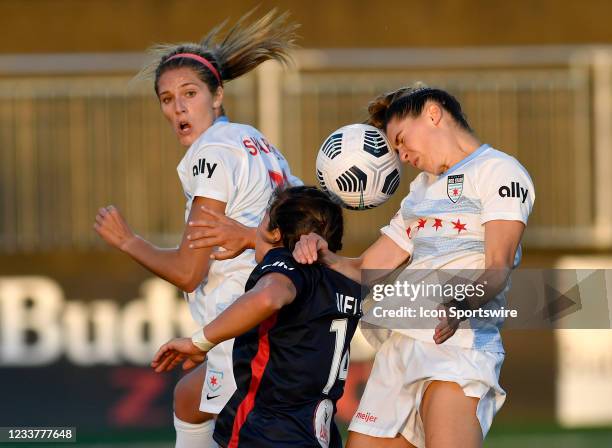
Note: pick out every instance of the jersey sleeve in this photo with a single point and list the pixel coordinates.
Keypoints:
(506, 191)
(214, 172)
(397, 230)
(282, 264)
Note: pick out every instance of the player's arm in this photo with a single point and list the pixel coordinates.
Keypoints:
(504, 219)
(391, 250)
(217, 229)
(502, 239)
(270, 294)
(180, 266)
(383, 255)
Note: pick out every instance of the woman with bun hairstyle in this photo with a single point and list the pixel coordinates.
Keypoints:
(229, 169)
(438, 386)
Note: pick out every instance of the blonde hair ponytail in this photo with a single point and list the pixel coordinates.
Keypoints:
(243, 48)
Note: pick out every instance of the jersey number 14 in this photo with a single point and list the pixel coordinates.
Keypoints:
(340, 364)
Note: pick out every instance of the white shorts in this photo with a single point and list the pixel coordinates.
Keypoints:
(219, 384)
(404, 367)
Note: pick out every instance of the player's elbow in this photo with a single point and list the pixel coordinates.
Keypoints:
(188, 286)
(189, 282)
(272, 304)
(275, 292)
(500, 260)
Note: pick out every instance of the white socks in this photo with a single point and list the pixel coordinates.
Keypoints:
(194, 435)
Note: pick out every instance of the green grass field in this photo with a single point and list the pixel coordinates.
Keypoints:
(549, 437)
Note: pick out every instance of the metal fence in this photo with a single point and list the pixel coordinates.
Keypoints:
(75, 135)
(72, 144)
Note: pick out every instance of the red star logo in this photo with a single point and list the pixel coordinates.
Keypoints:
(422, 223)
(458, 226)
(455, 192)
(213, 380)
(408, 232)
(437, 224)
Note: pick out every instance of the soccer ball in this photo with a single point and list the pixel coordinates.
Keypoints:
(357, 167)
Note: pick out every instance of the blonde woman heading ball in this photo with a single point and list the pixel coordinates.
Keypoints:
(230, 171)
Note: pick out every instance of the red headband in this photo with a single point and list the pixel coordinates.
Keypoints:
(201, 60)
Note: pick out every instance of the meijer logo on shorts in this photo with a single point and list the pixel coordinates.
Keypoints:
(366, 417)
(513, 191)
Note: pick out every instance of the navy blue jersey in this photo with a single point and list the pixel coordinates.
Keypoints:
(290, 369)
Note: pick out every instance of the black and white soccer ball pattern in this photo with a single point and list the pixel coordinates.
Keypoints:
(357, 166)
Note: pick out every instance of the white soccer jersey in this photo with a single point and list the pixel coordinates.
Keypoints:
(235, 164)
(441, 224)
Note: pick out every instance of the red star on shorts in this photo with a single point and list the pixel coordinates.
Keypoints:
(458, 226)
(421, 223)
(408, 232)
(213, 380)
(437, 224)
(455, 192)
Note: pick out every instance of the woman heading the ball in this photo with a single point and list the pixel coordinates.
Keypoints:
(467, 209)
(229, 169)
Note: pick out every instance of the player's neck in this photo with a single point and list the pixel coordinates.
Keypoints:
(464, 144)
(267, 247)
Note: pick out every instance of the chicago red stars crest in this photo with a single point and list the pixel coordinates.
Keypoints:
(214, 379)
(454, 187)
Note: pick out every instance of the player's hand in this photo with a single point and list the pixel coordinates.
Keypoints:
(175, 352)
(221, 231)
(311, 248)
(447, 327)
(113, 228)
